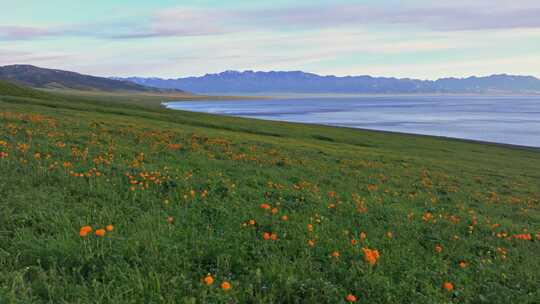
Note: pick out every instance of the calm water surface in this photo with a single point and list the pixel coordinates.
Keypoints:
(510, 120)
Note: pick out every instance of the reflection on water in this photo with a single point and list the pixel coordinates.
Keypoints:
(511, 120)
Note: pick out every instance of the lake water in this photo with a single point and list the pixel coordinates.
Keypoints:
(510, 120)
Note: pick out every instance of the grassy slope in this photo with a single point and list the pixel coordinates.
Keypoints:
(196, 179)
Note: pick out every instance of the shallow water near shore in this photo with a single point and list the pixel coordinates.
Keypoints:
(501, 119)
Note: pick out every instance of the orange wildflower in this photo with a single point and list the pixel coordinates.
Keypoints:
(354, 242)
(523, 236)
(462, 264)
(226, 286)
(109, 228)
(311, 243)
(372, 187)
(351, 298)
(265, 206)
(100, 232)
(363, 236)
(252, 222)
(371, 256)
(448, 286)
(284, 218)
(274, 237)
(310, 227)
(266, 236)
(85, 230)
(208, 280)
(438, 248)
(274, 210)
(335, 254)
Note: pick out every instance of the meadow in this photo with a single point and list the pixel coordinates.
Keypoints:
(103, 200)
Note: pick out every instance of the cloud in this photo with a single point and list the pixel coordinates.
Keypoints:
(459, 15)
(12, 56)
(435, 17)
(22, 32)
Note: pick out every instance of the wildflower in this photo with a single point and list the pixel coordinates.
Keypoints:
(84, 231)
(363, 236)
(351, 298)
(284, 218)
(354, 242)
(310, 227)
(109, 228)
(252, 222)
(372, 187)
(389, 234)
(448, 286)
(170, 219)
(371, 256)
(274, 210)
(335, 254)
(100, 232)
(266, 236)
(438, 248)
(311, 243)
(208, 280)
(265, 206)
(462, 264)
(274, 237)
(226, 286)
(523, 236)
(427, 216)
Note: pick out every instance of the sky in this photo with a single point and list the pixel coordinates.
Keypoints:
(164, 38)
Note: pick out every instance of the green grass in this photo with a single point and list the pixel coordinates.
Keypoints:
(180, 189)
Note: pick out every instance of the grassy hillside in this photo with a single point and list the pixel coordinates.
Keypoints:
(57, 79)
(279, 212)
(11, 89)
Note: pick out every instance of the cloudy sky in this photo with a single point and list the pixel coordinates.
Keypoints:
(165, 38)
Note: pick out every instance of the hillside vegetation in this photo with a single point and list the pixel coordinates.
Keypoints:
(57, 79)
(106, 202)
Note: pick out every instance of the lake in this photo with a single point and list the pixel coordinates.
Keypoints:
(509, 120)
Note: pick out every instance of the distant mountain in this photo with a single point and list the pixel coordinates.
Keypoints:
(36, 77)
(300, 82)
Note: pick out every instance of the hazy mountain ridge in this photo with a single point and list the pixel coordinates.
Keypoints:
(301, 82)
(37, 77)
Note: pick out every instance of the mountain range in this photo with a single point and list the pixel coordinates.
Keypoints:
(37, 77)
(301, 82)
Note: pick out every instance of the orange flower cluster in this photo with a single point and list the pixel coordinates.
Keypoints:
(85, 230)
(523, 236)
(371, 256)
(208, 280)
(448, 286)
(270, 236)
